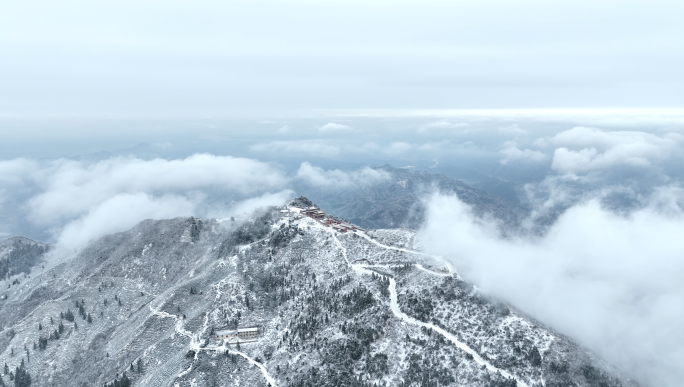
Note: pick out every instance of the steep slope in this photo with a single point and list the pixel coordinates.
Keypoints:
(333, 309)
(396, 201)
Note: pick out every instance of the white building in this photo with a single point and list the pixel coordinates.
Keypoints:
(240, 333)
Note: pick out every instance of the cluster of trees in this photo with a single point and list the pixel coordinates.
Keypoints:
(138, 367)
(302, 201)
(282, 237)
(68, 315)
(21, 257)
(330, 377)
(357, 300)
(21, 376)
(418, 306)
(124, 381)
(596, 378)
(426, 373)
(105, 285)
(57, 332)
(534, 357)
(559, 368)
(195, 228)
(384, 284)
(561, 375)
(81, 312)
(248, 232)
(503, 382)
(42, 343)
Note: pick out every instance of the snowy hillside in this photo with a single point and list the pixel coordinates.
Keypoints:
(332, 308)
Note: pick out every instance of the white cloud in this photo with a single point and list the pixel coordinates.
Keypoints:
(247, 206)
(332, 127)
(512, 129)
(284, 129)
(296, 147)
(336, 178)
(442, 126)
(584, 149)
(87, 199)
(71, 188)
(511, 152)
(16, 171)
(121, 212)
(613, 283)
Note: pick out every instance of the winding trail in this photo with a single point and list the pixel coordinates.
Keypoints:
(394, 305)
(195, 345)
(363, 269)
(268, 377)
(405, 250)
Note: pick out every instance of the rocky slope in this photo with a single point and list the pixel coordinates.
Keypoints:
(333, 309)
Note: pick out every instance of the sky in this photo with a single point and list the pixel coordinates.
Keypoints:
(112, 112)
(209, 57)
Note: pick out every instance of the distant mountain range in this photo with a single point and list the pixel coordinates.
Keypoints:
(397, 201)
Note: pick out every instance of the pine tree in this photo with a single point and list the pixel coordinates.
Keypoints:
(22, 377)
(40, 326)
(6, 369)
(90, 319)
(125, 381)
(140, 366)
(535, 357)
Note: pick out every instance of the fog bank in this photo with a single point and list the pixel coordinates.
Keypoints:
(611, 282)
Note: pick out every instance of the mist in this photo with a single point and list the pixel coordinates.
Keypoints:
(77, 201)
(610, 281)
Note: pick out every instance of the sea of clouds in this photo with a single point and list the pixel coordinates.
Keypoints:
(606, 272)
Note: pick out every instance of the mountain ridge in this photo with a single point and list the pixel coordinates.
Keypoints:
(155, 293)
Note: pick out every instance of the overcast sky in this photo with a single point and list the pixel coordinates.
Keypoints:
(231, 57)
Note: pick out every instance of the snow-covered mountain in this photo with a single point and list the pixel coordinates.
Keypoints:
(332, 308)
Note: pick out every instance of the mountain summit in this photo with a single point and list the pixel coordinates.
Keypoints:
(282, 298)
